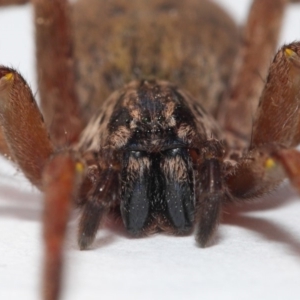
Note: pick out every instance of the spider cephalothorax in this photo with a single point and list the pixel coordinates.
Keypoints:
(156, 135)
(151, 151)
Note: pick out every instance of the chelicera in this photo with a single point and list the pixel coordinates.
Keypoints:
(165, 158)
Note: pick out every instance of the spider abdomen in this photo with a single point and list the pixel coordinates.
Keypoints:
(190, 43)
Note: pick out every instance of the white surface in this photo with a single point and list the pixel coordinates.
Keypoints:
(256, 254)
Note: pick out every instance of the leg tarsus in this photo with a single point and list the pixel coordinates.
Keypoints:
(209, 218)
(89, 223)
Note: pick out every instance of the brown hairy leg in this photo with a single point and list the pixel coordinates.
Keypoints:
(23, 127)
(4, 149)
(61, 179)
(25, 138)
(25, 135)
(281, 123)
(55, 71)
(277, 119)
(276, 127)
(258, 45)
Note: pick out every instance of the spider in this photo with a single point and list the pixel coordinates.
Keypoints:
(175, 138)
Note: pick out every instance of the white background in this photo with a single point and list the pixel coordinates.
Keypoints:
(256, 254)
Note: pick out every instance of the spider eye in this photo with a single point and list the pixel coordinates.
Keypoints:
(172, 152)
(145, 120)
(137, 154)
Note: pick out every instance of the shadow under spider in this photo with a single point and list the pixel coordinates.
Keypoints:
(235, 215)
(24, 205)
(28, 205)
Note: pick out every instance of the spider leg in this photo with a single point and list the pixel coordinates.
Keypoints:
(96, 206)
(55, 71)
(259, 42)
(24, 134)
(276, 127)
(23, 129)
(212, 193)
(210, 201)
(4, 149)
(62, 178)
(277, 118)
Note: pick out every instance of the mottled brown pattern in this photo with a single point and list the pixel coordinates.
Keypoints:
(142, 39)
(97, 135)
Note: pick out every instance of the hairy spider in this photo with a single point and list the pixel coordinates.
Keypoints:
(152, 152)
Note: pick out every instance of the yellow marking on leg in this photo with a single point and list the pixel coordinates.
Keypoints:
(79, 167)
(9, 76)
(270, 163)
(289, 52)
